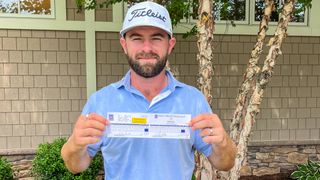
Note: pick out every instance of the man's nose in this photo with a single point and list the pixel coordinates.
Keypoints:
(147, 46)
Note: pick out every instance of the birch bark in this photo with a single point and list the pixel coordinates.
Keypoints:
(262, 80)
(205, 27)
(250, 74)
(247, 86)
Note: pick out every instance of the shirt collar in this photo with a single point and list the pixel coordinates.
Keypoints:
(125, 81)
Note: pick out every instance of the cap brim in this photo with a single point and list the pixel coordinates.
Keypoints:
(124, 31)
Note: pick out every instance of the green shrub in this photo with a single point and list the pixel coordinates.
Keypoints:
(6, 172)
(48, 163)
(308, 171)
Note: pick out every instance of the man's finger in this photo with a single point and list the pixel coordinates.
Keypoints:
(95, 124)
(212, 118)
(202, 124)
(199, 118)
(92, 132)
(96, 117)
(89, 140)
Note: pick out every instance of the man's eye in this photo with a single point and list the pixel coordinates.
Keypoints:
(157, 39)
(136, 39)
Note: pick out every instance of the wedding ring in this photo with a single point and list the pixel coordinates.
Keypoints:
(87, 116)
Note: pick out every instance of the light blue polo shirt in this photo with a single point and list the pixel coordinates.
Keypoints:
(144, 158)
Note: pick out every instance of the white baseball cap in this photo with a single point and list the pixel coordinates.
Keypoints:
(147, 14)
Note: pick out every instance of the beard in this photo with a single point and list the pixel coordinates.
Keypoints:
(147, 70)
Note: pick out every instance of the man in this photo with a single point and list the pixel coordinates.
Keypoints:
(147, 40)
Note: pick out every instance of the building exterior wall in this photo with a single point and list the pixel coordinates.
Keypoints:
(290, 107)
(42, 85)
(278, 159)
(111, 61)
(103, 14)
(72, 13)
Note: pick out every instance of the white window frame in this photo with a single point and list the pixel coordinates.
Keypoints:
(253, 22)
(18, 15)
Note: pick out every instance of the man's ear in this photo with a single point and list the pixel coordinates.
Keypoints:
(172, 42)
(123, 44)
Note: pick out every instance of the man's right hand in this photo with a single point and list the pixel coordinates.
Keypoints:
(88, 130)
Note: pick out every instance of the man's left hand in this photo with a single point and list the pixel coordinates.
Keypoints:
(212, 131)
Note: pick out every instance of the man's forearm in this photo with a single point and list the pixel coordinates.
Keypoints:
(76, 160)
(223, 155)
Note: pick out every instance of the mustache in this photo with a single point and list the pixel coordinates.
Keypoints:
(147, 55)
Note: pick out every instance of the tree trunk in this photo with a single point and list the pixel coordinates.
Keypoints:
(262, 80)
(250, 74)
(247, 86)
(205, 27)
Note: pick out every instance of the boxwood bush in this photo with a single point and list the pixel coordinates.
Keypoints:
(48, 163)
(6, 172)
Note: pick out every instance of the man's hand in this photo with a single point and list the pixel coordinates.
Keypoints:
(212, 132)
(88, 130)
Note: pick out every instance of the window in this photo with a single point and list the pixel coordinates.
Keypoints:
(238, 11)
(299, 16)
(234, 10)
(27, 8)
(226, 10)
(244, 12)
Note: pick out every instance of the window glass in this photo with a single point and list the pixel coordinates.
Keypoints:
(224, 10)
(230, 10)
(9, 6)
(26, 7)
(298, 16)
(35, 6)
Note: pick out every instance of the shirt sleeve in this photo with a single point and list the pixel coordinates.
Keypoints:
(200, 145)
(94, 148)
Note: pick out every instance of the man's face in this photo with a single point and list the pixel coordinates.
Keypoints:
(147, 50)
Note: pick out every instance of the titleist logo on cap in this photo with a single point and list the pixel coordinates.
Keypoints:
(143, 12)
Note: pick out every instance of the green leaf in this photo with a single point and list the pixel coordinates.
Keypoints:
(296, 175)
(193, 177)
(311, 178)
(303, 169)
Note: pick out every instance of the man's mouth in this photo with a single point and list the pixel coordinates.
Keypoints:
(147, 56)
